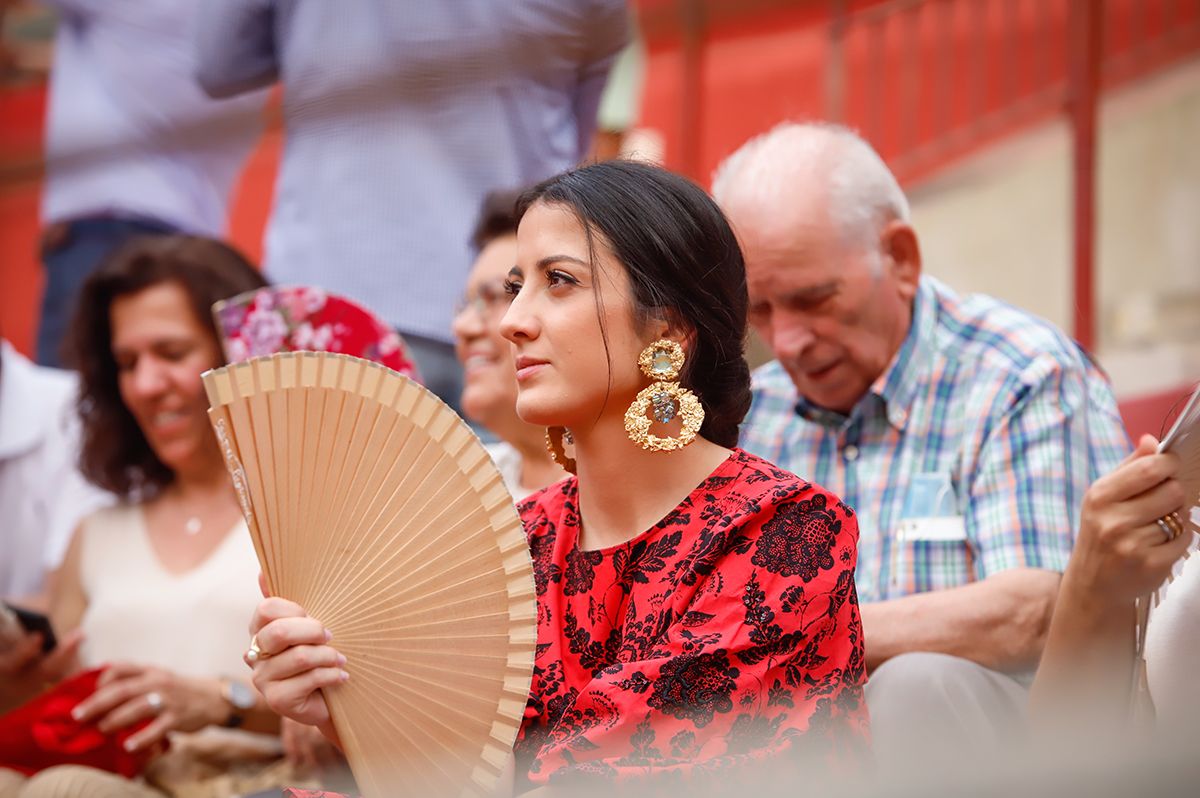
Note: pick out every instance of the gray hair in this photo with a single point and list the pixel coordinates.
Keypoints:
(863, 192)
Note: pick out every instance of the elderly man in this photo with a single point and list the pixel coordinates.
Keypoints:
(963, 431)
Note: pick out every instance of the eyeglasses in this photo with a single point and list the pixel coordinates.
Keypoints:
(489, 301)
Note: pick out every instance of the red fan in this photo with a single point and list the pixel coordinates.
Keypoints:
(305, 319)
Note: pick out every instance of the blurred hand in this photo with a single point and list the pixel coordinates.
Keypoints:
(25, 671)
(1122, 552)
(307, 748)
(128, 693)
(296, 662)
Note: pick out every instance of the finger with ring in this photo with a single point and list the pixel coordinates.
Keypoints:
(1171, 526)
(155, 701)
(255, 653)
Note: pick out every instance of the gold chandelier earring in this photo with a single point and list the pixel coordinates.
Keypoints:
(556, 437)
(662, 362)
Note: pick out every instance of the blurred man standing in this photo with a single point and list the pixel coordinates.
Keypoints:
(399, 118)
(132, 144)
(961, 430)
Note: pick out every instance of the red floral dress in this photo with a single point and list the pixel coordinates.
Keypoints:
(726, 634)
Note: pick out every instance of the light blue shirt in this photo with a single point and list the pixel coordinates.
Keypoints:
(400, 116)
(128, 130)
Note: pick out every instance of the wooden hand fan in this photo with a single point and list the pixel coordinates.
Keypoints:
(373, 506)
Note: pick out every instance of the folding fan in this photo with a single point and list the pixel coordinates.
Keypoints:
(373, 506)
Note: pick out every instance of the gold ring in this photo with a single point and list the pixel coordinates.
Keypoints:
(1171, 525)
(255, 653)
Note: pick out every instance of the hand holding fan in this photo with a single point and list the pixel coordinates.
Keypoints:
(374, 507)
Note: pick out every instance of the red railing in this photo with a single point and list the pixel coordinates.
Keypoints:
(926, 81)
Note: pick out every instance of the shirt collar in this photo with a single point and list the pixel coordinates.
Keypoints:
(896, 388)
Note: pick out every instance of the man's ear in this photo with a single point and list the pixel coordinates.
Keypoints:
(899, 243)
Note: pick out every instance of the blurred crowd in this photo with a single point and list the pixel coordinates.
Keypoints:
(1008, 529)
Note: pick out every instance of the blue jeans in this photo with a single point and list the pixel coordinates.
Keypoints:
(71, 252)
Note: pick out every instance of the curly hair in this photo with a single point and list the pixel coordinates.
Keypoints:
(115, 454)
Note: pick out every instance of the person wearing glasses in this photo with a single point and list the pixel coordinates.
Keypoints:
(489, 396)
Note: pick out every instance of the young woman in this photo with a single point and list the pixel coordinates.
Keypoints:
(174, 548)
(696, 604)
(489, 394)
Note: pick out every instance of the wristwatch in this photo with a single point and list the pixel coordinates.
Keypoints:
(241, 699)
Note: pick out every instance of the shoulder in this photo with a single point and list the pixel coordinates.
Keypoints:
(770, 381)
(765, 490)
(1003, 339)
(541, 508)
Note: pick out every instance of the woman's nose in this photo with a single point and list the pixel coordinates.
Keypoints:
(468, 321)
(148, 377)
(519, 322)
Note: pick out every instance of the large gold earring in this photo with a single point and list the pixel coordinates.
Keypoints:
(661, 362)
(554, 444)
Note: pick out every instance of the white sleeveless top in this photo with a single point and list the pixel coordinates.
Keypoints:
(1173, 649)
(193, 623)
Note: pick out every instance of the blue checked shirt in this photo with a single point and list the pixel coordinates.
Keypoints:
(968, 456)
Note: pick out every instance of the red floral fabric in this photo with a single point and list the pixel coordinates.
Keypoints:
(301, 318)
(41, 733)
(728, 633)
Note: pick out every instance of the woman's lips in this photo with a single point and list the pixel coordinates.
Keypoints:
(528, 367)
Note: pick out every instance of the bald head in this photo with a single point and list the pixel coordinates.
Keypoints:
(815, 167)
(832, 264)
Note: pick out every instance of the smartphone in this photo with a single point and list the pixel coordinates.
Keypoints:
(32, 621)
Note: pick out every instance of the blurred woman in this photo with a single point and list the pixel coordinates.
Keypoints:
(157, 588)
(696, 605)
(489, 394)
(1134, 528)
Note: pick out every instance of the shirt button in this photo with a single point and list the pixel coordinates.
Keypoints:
(899, 417)
(850, 453)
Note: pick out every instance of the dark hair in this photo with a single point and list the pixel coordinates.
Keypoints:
(114, 453)
(497, 217)
(684, 263)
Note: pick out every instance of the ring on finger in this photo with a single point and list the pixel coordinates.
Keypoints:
(255, 652)
(1171, 525)
(155, 701)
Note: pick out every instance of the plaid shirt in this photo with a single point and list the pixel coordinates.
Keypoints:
(968, 456)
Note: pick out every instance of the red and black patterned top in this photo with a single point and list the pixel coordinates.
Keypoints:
(727, 634)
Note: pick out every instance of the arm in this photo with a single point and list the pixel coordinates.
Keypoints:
(1039, 451)
(999, 622)
(236, 51)
(607, 33)
(24, 670)
(1121, 554)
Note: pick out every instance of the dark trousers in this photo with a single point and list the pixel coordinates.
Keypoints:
(71, 252)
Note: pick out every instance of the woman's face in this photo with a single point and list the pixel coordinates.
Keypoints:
(490, 380)
(563, 372)
(160, 349)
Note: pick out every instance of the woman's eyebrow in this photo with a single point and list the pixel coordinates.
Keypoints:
(550, 260)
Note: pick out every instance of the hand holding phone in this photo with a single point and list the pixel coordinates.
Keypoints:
(31, 621)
